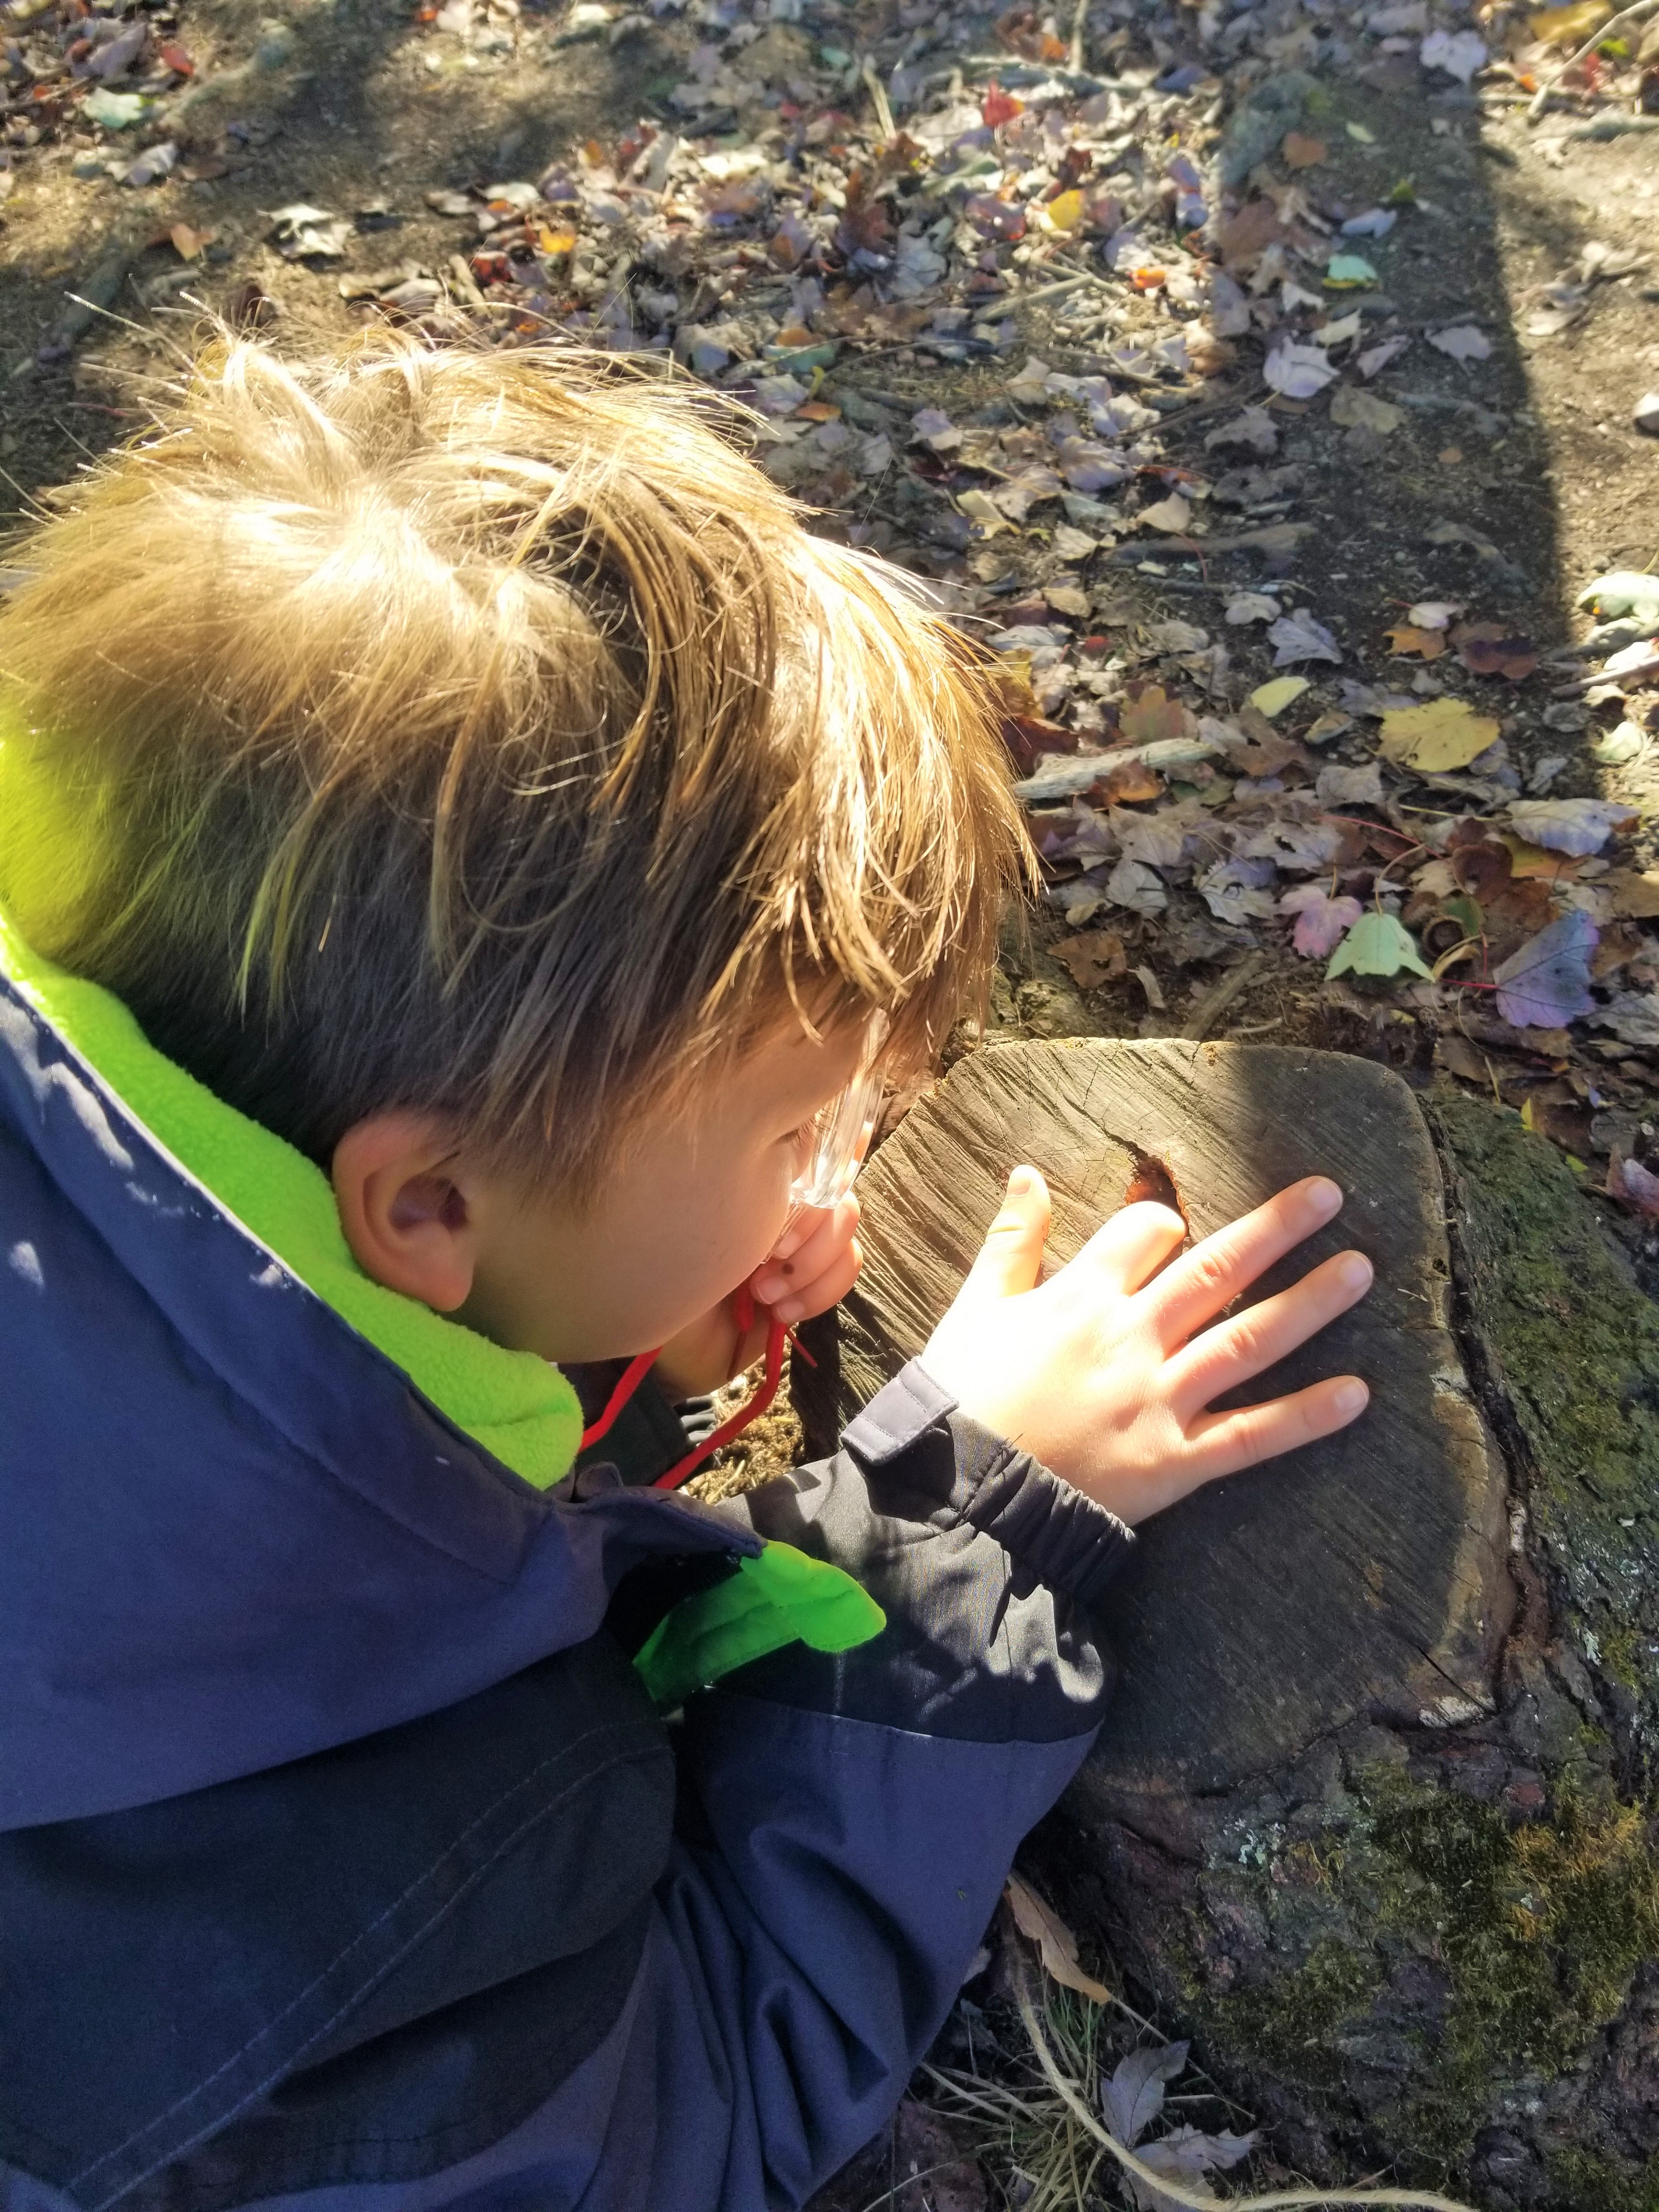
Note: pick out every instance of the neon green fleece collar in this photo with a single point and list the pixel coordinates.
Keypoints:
(516, 1405)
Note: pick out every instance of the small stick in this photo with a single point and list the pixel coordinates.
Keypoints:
(1625, 675)
(1637, 14)
(879, 94)
(1074, 57)
(1233, 985)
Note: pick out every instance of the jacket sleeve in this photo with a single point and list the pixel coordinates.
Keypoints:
(847, 1820)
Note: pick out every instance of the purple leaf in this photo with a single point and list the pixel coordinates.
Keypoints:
(1545, 984)
(1638, 1186)
(1321, 922)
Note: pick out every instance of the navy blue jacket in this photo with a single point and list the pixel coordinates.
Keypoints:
(345, 1861)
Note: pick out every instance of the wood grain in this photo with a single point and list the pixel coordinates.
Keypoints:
(1365, 1574)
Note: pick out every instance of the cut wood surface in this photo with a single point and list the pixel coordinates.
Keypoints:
(1362, 1577)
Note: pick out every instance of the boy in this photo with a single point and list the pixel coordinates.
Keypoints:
(457, 836)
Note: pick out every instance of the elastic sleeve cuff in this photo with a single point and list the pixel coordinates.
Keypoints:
(1047, 1527)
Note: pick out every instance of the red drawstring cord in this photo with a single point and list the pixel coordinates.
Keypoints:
(631, 1377)
(640, 1366)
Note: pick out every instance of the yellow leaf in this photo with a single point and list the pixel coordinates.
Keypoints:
(1038, 1923)
(980, 508)
(1569, 26)
(1064, 212)
(1445, 734)
(1273, 698)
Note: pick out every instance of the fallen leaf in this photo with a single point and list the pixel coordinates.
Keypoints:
(1570, 27)
(1488, 649)
(1570, 825)
(1303, 153)
(1535, 863)
(1251, 607)
(1061, 214)
(1546, 983)
(1321, 919)
(1436, 739)
(1407, 642)
(1462, 342)
(1348, 272)
(1067, 600)
(1460, 53)
(1170, 516)
(1186, 2156)
(1377, 944)
(1632, 1016)
(1040, 1924)
(1273, 697)
(1092, 957)
(187, 244)
(1151, 716)
(1132, 885)
(1154, 990)
(1634, 1185)
(1132, 2098)
(1634, 895)
(1297, 636)
(1350, 786)
(1299, 371)
(1354, 410)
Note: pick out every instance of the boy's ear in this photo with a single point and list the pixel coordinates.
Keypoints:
(403, 1209)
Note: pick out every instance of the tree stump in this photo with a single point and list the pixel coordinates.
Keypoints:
(1369, 1815)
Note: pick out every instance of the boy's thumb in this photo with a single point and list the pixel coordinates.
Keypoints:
(1011, 1259)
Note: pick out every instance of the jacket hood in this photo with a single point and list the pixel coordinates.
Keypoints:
(255, 1505)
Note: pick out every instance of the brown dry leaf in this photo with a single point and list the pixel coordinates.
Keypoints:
(1406, 642)
(1459, 1057)
(1303, 153)
(1038, 1923)
(1537, 861)
(1248, 235)
(1129, 784)
(1634, 895)
(1444, 735)
(188, 243)
(1488, 649)
(1354, 410)
(1152, 717)
(1091, 957)
(1067, 599)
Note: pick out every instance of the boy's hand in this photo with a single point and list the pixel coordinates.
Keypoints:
(1104, 1372)
(813, 1265)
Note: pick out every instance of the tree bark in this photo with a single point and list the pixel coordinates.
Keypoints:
(1369, 1816)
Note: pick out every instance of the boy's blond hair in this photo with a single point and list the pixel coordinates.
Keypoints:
(482, 732)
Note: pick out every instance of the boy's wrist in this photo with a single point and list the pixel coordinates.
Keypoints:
(1051, 1530)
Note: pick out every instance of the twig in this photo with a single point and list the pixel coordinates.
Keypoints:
(1277, 2199)
(1625, 675)
(879, 92)
(1277, 537)
(1074, 56)
(1637, 14)
(1215, 1002)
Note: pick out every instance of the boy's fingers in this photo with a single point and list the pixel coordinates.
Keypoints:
(1223, 1443)
(807, 1223)
(1011, 1258)
(828, 1290)
(1194, 1289)
(1128, 1250)
(786, 1274)
(1235, 1351)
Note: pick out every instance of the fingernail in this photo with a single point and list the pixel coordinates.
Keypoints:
(790, 1310)
(1354, 1271)
(789, 1242)
(1021, 1180)
(1323, 1197)
(1349, 1397)
(769, 1289)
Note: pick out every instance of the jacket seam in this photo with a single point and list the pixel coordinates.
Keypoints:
(416, 1937)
